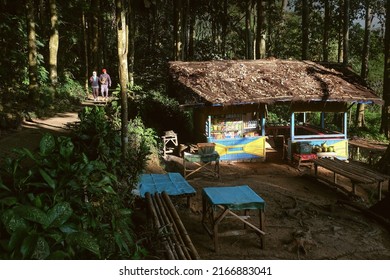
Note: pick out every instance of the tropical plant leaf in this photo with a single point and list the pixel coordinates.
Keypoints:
(59, 255)
(59, 214)
(47, 178)
(121, 243)
(12, 221)
(66, 147)
(28, 246)
(26, 152)
(108, 189)
(4, 187)
(84, 240)
(68, 228)
(125, 212)
(47, 144)
(41, 250)
(9, 201)
(17, 238)
(33, 214)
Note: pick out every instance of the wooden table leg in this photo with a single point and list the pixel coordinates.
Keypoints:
(216, 169)
(216, 222)
(262, 226)
(380, 184)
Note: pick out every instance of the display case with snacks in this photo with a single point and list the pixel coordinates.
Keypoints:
(233, 126)
(237, 136)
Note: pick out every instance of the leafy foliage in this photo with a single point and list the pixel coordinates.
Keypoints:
(151, 105)
(67, 201)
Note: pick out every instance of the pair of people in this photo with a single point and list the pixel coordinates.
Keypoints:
(105, 82)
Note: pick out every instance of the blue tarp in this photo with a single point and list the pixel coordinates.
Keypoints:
(171, 183)
(234, 197)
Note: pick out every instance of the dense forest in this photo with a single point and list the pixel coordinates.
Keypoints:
(53, 46)
(49, 49)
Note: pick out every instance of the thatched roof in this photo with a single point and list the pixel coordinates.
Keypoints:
(266, 81)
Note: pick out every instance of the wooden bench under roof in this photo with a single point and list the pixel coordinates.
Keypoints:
(355, 172)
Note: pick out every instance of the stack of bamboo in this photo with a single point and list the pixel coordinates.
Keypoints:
(164, 217)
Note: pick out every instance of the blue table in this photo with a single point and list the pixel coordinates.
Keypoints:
(220, 202)
(172, 183)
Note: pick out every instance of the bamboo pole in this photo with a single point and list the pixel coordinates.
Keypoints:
(181, 227)
(181, 242)
(164, 229)
(169, 225)
(156, 222)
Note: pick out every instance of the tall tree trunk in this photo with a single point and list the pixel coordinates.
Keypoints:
(86, 54)
(325, 41)
(102, 43)
(215, 26)
(95, 34)
(346, 32)
(385, 126)
(123, 35)
(340, 32)
(53, 43)
(260, 30)
(32, 51)
(186, 19)
(177, 29)
(224, 28)
(270, 25)
(132, 28)
(384, 163)
(191, 30)
(305, 29)
(360, 120)
(248, 27)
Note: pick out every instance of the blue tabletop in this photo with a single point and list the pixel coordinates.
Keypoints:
(171, 183)
(235, 197)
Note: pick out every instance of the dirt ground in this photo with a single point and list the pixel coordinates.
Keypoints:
(303, 217)
(30, 133)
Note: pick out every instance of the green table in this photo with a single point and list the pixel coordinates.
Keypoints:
(201, 162)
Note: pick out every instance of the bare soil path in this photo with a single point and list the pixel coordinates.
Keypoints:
(30, 133)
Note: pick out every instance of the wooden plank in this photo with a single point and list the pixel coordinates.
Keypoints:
(343, 170)
(368, 171)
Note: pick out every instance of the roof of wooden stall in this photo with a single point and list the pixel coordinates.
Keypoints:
(231, 82)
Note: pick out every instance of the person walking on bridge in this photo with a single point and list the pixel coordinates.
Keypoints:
(105, 83)
(94, 80)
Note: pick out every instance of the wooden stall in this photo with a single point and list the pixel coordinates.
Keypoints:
(230, 99)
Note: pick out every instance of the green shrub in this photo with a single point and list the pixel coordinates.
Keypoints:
(66, 201)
